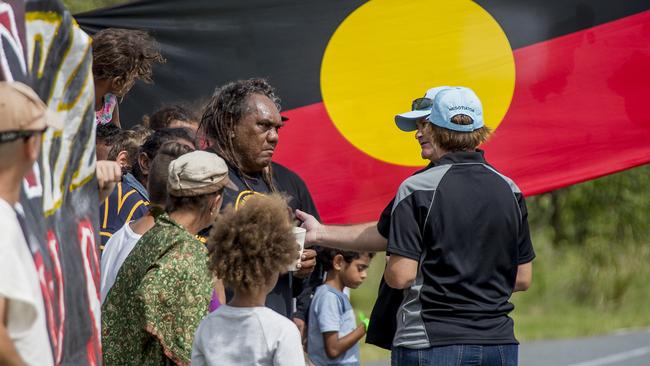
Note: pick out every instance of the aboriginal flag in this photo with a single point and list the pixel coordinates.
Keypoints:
(564, 83)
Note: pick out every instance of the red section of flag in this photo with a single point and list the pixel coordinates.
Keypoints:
(578, 112)
(579, 107)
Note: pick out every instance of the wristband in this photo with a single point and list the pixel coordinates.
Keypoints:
(365, 321)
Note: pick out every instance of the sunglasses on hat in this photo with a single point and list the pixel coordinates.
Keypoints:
(421, 104)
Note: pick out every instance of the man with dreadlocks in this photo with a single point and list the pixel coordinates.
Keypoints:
(240, 124)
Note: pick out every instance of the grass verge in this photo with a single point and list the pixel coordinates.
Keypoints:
(577, 291)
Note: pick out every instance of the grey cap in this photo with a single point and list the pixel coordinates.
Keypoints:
(197, 173)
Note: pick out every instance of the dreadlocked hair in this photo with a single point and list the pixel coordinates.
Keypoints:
(250, 245)
(228, 105)
(125, 55)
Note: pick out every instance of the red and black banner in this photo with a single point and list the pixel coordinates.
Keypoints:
(564, 83)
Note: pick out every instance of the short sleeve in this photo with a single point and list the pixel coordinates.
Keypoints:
(328, 311)
(525, 245)
(405, 238)
(383, 225)
(289, 347)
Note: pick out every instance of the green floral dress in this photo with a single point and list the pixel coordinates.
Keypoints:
(160, 295)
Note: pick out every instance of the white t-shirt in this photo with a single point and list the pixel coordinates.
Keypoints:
(116, 250)
(247, 336)
(20, 287)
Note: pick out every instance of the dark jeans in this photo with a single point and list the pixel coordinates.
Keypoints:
(457, 355)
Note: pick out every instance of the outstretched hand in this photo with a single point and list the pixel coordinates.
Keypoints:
(312, 226)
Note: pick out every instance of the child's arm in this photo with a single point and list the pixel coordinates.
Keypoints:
(335, 346)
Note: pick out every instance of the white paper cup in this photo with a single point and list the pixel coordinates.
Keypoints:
(300, 234)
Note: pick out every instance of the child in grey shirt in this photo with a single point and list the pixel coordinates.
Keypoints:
(333, 335)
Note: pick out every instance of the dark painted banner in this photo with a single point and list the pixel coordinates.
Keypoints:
(41, 45)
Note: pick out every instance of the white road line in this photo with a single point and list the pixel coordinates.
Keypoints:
(617, 357)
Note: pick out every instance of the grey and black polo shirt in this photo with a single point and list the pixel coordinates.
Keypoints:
(466, 225)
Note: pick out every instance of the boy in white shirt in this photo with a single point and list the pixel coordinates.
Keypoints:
(249, 248)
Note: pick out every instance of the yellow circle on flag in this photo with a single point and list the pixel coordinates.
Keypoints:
(388, 52)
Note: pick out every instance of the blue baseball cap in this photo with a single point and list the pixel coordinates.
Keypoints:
(453, 101)
(420, 107)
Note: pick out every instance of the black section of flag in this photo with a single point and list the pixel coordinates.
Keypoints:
(210, 42)
(526, 22)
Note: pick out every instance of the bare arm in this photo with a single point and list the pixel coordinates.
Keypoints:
(400, 272)
(335, 346)
(524, 277)
(8, 354)
(356, 237)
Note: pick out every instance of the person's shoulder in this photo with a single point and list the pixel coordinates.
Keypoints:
(281, 172)
(124, 199)
(116, 241)
(184, 248)
(327, 294)
(272, 320)
(8, 218)
(130, 195)
(6, 211)
(424, 180)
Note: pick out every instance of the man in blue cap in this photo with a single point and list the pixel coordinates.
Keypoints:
(458, 239)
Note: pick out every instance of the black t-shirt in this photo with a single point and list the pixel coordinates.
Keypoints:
(281, 297)
(466, 224)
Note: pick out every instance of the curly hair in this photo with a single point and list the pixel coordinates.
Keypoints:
(250, 245)
(228, 105)
(326, 256)
(124, 55)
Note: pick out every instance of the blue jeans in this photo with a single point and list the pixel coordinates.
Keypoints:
(456, 355)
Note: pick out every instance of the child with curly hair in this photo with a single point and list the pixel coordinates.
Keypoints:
(120, 57)
(333, 334)
(248, 249)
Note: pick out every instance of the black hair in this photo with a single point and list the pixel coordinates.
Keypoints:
(326, 256)
(107, 133)
(153, 143)
(228, 105)
(198, 204)
(159, 170)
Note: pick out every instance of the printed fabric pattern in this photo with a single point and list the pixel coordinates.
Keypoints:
(158, 300)
(105, 115)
